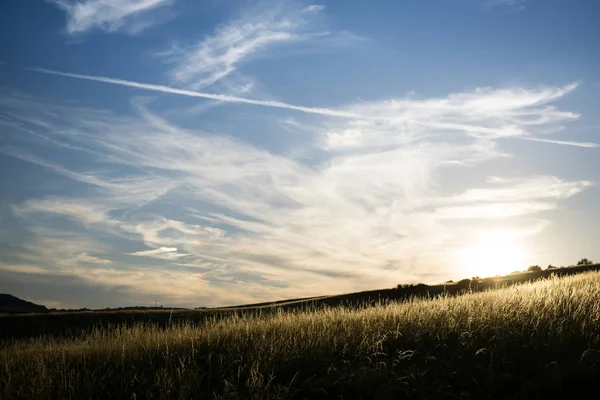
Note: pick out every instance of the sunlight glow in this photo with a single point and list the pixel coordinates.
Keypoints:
(494, 254)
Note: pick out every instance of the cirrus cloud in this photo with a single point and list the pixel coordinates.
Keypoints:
(372, 209)
(131, 16)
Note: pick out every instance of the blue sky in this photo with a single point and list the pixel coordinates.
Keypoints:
(215, 153)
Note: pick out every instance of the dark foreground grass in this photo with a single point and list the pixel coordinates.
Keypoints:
(538, 340)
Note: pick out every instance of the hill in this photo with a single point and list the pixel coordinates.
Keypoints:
(537, 340)
(12, 304)
(403, 292)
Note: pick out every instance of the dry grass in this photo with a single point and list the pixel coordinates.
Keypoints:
(527, 341)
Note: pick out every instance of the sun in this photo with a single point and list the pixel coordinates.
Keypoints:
(492, 255)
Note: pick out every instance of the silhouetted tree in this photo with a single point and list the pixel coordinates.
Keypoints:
(405, 286)
(585, 261)
(534, 268)
(551, 267)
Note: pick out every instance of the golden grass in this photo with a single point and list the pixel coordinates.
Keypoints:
(525, 340)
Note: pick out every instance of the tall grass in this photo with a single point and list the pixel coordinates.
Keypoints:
(528, 341)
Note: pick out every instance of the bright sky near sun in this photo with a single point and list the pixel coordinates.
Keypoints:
(205, 153)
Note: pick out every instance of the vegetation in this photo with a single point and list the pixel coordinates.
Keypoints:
(534, 268)
(533, 340)
(67, 323)
(585, 261)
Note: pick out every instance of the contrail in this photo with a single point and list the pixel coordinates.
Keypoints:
(563, 142)
(279, 104)
(204, 95)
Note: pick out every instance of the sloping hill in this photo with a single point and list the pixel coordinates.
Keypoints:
(12, 304)
(65, 322)
(403, 292)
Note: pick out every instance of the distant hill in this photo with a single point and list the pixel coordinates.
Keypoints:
(12, 304)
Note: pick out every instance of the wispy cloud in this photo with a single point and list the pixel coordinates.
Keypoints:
(131, 16)
(163, 253)
(80, 210)
(55, 259)
(217, 56)
(110, 287)
(508, 110)
(374, 207)
(313, 8)
(22, 269)
(513, 6)
(255, 33)
(86, 258)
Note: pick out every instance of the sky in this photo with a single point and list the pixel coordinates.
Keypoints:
(206, 153)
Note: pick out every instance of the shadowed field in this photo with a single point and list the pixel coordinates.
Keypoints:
(533, 340)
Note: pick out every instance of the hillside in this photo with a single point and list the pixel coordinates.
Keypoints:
(12, 304)
(540, 341)
(402, 292)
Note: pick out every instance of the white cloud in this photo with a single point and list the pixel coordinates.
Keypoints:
(506, 198)
(218, 56)
(163, 253)
(483, 113)
(487, 113)
(79, 209)
(370, 214)
(132, 16)
(22, 269)
(255, 33)
(493, 210)
(86, 258)
(167, 232)
(140, 285)
(314, 8)
(513, 6)
(52, 251)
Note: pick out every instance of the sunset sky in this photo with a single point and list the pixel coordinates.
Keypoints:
(206, 153)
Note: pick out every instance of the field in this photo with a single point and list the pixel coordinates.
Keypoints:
(533, 340)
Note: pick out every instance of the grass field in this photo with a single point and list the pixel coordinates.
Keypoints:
(535, 340)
